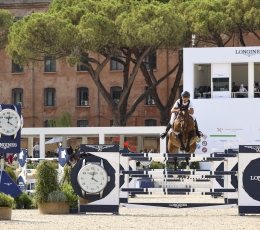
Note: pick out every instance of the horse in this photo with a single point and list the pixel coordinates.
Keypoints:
(183, 137)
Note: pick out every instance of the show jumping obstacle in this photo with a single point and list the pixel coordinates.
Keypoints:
(117, 166)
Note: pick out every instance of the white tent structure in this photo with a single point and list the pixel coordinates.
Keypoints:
(54, 140)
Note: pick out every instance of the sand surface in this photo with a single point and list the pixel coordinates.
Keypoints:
(155, 218)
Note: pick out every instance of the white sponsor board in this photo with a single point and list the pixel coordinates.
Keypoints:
(225, 122)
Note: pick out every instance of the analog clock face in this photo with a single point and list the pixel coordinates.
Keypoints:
(92, 178)
(10, 122)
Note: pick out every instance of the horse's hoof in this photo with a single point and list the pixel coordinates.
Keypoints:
(182, 149)
(187, 168)
(175, 176)
(187, 149)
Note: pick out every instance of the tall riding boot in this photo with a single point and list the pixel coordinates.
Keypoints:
(198, 133)
(163, 135)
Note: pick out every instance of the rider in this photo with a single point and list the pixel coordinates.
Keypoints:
(182, 103)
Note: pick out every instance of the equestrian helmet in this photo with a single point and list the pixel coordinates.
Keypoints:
(185, 94)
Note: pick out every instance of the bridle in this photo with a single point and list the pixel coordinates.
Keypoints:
(183, 119)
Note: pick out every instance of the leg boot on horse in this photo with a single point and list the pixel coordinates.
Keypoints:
(163, 135)
(187, 163)
(182, 147)
(190, 135)
(175, 163)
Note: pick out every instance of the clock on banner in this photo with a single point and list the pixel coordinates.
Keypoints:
(92, 178)
(11, 122)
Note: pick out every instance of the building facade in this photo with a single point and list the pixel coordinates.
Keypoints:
(52, 87)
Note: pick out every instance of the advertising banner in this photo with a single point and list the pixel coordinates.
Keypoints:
(10, 128)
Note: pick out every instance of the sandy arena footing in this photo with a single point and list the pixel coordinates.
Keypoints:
(156, 218)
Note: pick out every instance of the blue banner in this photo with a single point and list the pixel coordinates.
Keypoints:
(21, 184)
(7, 185)
(63, 156)
(9, 144)
(22, 157)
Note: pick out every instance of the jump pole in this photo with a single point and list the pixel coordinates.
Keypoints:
(226, 160)
(248, 185)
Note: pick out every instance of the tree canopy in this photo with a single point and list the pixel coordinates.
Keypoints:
(216, 22)
(6, 20)
(245, 16)
(70, 29)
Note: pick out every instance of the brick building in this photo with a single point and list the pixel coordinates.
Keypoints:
(52, 87)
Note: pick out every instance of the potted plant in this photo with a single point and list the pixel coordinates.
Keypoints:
(23, 201)
(57, 203)
(71, 196)
(6, 206)
(46, 184)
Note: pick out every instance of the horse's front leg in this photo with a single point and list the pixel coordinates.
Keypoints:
(182, 148)
(190, 135)
(175, 163)
(187, 163)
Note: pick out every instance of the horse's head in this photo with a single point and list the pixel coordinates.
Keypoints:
(183, 118)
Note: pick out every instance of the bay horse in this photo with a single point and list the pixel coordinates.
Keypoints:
(183, 137)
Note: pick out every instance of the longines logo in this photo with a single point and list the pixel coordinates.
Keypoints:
(177, 205)
(8, 184)
(255, 178)
(220, 129)
(99, 148)
(248, 53)
(8, 145)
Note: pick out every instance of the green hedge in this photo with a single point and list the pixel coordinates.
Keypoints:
(6, 200)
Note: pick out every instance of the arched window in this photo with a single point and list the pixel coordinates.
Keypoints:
(49, 97)
(149, 99)
(150, 61)
(16, 68)
(82, 94)
(49, 64)
(82, 123)
(116, 93)
(17, 95)
(150, 122)
(84, 60)
(115, 65)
